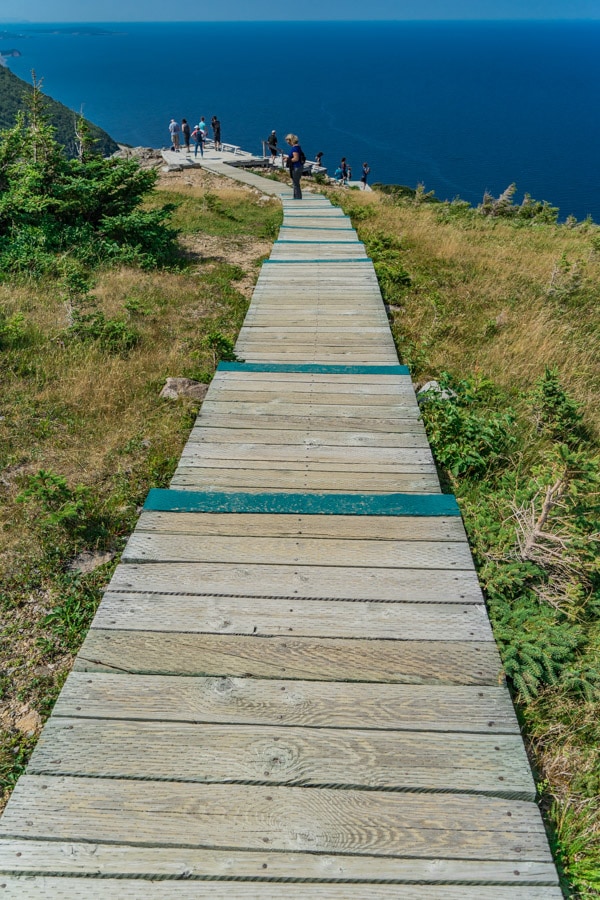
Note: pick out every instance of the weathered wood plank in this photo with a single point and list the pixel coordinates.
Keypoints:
(371, 459)
(232, 432)
(195, 458)
(309, 424)
(330, 582)
(481, 709)
(48, 888)
(322, 659)
(323, 757)
(304, 479)
(284, 406)
(308, 618)
(329, 380)
(276, 818)
(58, 858)
(380, 528)
(324, 391)
(164, 547)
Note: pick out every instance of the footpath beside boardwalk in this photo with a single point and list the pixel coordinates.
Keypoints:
(291, 687)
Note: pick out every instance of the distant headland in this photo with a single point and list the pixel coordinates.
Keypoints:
(6, 54)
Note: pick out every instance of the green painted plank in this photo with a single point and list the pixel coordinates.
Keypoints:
(308, 504)
(312, 368)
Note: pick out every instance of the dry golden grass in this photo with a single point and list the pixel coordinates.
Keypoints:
(481, 297)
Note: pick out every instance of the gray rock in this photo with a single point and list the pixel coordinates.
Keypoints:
(88, 561)
(434, 387)
(176, 388)
(147, 157)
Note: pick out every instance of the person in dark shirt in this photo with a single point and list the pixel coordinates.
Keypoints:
(295, 163)
(366, 168)
(216, 127)
(186, 132)
(344, 168)
(272, 145)
(319, 157)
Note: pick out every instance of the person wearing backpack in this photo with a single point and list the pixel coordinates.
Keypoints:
(295, 163)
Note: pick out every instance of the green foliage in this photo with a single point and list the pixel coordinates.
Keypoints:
(557, 414)
(222, 347)
(71, 617)
(468, 434)
(113, 335)
(400, 193)
(57, 506)
(12, 329)
(391, 276)
(385, 252)
(535, 645)
(56, 211)
(528, 211)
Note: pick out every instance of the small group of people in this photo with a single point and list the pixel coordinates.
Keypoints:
(343, 173)
(198, 135)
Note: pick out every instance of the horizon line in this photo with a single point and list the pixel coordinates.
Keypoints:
(336, 21)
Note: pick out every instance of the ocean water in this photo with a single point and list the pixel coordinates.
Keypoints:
(463, 107)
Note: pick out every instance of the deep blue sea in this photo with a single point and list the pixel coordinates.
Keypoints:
(463, 107)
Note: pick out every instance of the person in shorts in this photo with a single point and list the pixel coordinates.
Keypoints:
(174, 133)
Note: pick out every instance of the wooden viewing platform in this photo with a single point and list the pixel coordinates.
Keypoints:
(291, 688)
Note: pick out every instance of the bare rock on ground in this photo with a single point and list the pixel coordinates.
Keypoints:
(30, 723)
(147, 157)
(88, 561)
(176, 388)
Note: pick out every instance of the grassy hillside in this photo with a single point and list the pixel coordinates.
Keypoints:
(502, 307)
(12, 93)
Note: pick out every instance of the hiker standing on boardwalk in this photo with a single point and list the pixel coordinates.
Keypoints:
(272, 145)
(295, 163)
(366, 168)
(186, 131)
(216, 127)
(198, 139)
(174, 132)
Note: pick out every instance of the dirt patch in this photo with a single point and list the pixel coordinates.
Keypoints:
(245, 252)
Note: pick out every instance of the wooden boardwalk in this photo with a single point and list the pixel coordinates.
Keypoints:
(291, 687)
